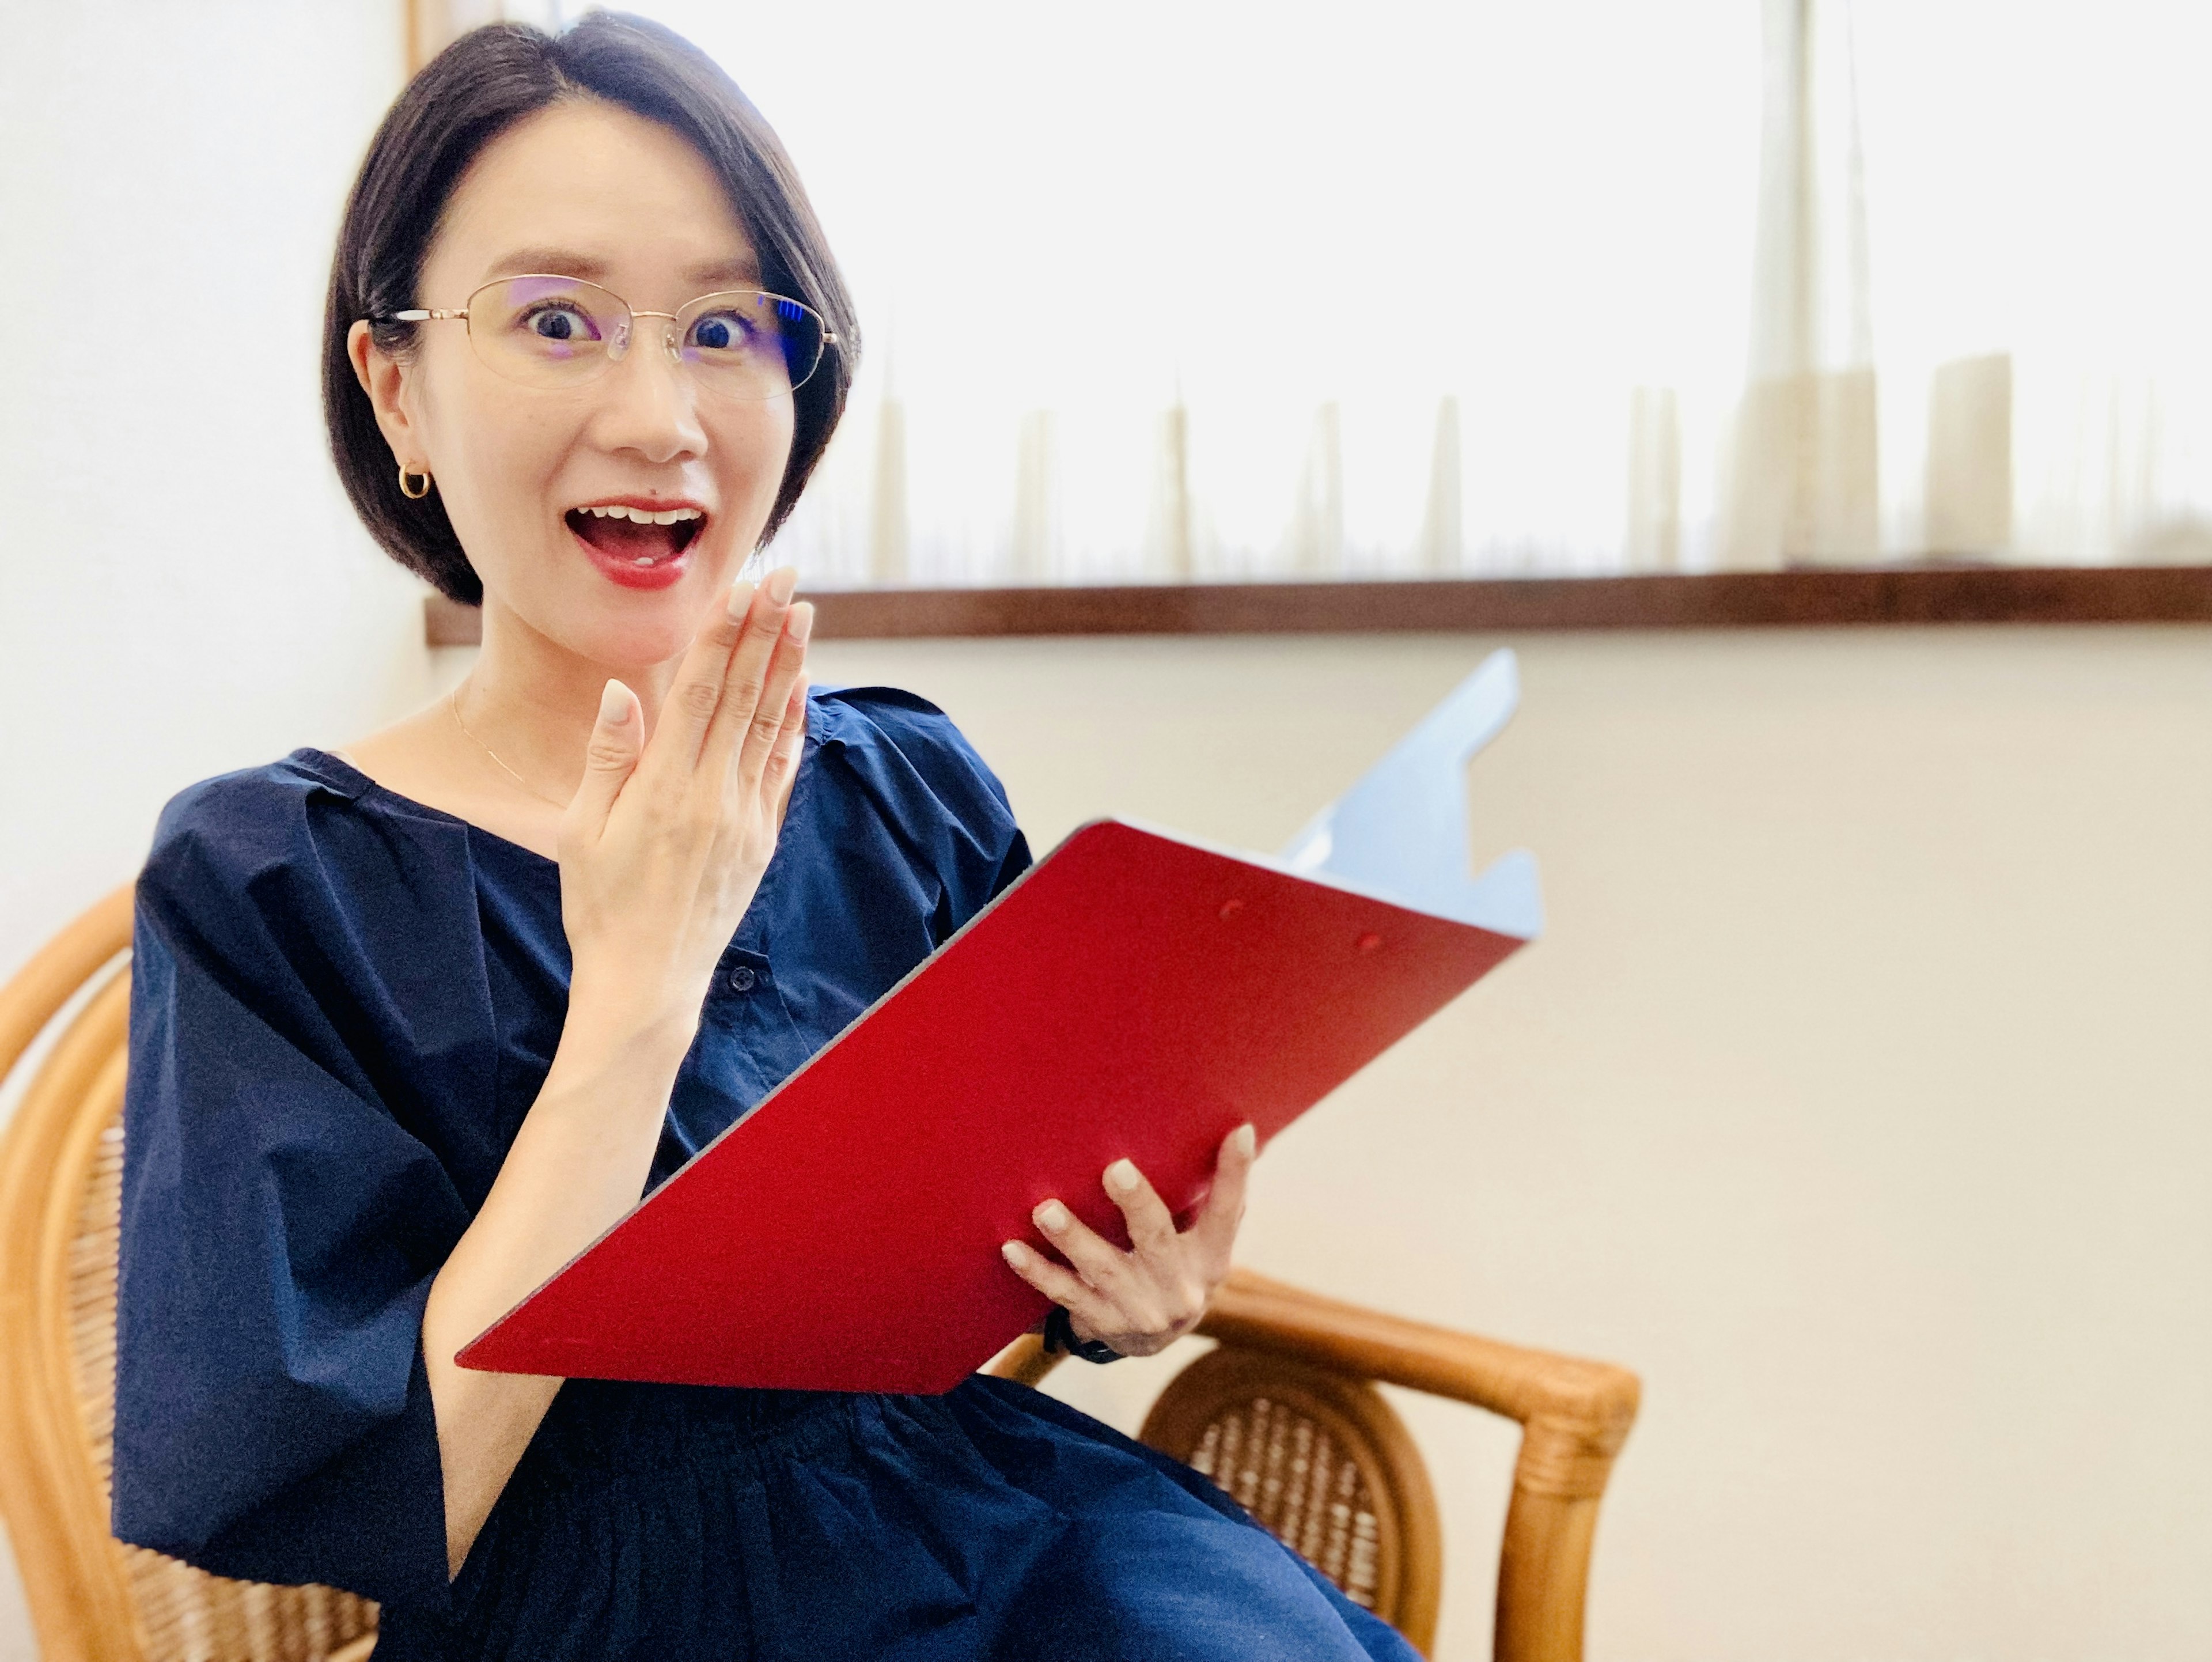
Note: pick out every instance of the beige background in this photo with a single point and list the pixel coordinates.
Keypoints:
(1857, 1096)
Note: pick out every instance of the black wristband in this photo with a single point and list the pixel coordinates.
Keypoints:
(1060, 1335)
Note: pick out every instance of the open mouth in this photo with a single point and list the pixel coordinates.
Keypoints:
(641, 536)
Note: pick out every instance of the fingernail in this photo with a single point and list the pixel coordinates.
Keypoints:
(802, 623)
(1052, 1216)
(614, 704)
(781, 582)
(1245, 1140)
(741, 598)
(1016, 1254)
(1121, 1176)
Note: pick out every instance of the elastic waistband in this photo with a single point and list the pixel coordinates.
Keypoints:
(599, 1432)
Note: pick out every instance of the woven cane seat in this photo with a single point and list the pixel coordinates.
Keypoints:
(1320, 1459)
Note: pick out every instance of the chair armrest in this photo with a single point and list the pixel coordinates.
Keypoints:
(1596, 1399)
(1582, 1409)
(1575, 1416)
(1025, 1362)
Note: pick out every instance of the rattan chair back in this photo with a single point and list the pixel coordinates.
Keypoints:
(91, 1598)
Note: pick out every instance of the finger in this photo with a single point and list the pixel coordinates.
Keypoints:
(1061, 1286)
(1224, 1208)
(697, 692)
(745, 678)
(610, 757)
(1097, 1260)
(1151, 1226)
(765, 732)
(790, 743)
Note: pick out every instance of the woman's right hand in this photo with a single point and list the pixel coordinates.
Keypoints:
(663, 844)
(661, 850)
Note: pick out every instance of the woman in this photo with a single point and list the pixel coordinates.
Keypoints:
(413, 1023)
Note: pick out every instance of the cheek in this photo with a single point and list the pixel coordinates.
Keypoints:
(751, 447)
(497, 464)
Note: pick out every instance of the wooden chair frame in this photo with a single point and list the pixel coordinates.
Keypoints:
(1574, 1415)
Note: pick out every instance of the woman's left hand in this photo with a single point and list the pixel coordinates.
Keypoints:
(1144, 1299)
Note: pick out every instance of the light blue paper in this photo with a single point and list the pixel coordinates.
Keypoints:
(1400, 831)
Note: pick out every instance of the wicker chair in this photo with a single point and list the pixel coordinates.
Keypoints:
(1283, 1413)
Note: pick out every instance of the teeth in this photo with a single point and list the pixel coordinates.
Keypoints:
(643, 515)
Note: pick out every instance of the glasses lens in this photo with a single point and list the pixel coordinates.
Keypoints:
(750, 345)
(547, 330)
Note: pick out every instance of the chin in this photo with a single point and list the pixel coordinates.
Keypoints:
(627, 620)
(636, 644)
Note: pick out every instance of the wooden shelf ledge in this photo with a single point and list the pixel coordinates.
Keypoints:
(1731, 599)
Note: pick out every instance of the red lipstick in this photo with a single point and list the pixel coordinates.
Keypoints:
(638, 542)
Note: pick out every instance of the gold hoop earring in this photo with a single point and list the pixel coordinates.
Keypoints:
(414, 495)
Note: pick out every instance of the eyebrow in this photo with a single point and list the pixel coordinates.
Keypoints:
(743, 269)
(566, 262)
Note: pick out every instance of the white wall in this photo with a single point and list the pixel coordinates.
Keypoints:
(1859, 1097)
(183, 587)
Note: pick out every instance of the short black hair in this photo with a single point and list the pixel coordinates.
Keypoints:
(469, 93)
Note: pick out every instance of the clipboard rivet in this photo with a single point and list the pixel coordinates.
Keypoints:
(1230, 908)
(1369, 942)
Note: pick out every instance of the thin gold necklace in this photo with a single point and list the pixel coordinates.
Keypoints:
(454, 704)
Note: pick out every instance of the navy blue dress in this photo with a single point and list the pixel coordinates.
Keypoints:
(343, 1004)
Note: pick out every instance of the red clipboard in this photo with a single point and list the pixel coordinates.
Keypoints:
(1134, 994)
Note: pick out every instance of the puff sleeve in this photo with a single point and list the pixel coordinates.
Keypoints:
(280, 1225)
(944, 804)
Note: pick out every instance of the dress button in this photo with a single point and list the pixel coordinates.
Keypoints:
(742, 978)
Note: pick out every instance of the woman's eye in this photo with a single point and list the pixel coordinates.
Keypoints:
(558, 323)
(718, 333)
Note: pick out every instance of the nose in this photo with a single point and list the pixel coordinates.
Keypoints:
(649, 404)
(630, 332)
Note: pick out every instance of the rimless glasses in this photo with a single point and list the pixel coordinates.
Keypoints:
(560, 332)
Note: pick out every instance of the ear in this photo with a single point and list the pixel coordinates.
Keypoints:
(384, 378)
